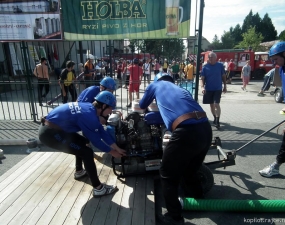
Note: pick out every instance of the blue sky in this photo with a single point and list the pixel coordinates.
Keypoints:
(220, 15)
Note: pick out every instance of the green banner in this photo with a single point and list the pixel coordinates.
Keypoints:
(125, 19)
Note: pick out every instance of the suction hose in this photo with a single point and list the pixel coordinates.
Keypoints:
(233, 205)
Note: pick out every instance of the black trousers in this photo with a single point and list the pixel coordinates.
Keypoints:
(42, 84)
(72, 90)
(182, 157)
(71, 143)
(281, 156)
(266, 83)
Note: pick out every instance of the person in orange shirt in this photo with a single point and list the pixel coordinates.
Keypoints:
(89, 70)
(231, 68)
(136, 73)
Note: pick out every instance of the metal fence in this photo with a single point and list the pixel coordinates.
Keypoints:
(19, 87)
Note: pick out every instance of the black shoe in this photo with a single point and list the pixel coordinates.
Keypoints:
(41, 104)
(166, 219)
(214, 122)
(218, 125)
(129, 105)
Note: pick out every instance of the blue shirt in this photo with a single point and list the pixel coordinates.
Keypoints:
(81, 116)
(172, 101)
(282, 75)
(213, 76)
(89, 94)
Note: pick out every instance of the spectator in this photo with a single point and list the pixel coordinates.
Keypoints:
(226, 65)
(212, 77)
(165, 66)
(41, 72)
(89, 70)
(146, 72)
(190, 70)
(245, 75)
(231, 68)
(266, 83)
(67, 78)
(277, 55)
(175, 70)
(136, 73)
(156, 67)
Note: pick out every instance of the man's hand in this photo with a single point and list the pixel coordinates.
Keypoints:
(225, 90)
(203, 91)
(115, 154)
(64, 93)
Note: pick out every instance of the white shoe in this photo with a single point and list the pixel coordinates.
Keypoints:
(269, 171)
(80, 174)
(105, 190)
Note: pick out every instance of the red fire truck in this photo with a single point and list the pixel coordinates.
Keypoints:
(259, 61)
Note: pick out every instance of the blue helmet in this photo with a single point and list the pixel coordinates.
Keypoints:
(277, 48)
(107, 98)
(160, 76)
(136, 61)
(108, 83)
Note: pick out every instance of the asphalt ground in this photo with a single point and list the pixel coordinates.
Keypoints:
(244, 117)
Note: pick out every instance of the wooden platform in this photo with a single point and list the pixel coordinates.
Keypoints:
(41, 190)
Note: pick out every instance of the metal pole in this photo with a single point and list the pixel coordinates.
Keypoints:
(111, 60)
(29, 79)
(265, 132)
(198, 63)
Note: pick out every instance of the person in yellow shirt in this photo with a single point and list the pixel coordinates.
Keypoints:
(165, 66)
(190, 71)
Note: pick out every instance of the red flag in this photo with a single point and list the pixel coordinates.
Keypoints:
(55, 55)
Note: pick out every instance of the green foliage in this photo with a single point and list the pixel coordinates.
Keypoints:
(235, 36)
(282, 36)
(251, 38)
(167, 48)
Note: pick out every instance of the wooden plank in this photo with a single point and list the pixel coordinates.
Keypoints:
(20, 168)
(139, 201)
(56, 169)
(150, 201)
(24, 180)
(51, 195)
(84, 195)
(126, 208)
(106, 176)
(18, 165)
(17, 200)
(113, 212)
(92, 203)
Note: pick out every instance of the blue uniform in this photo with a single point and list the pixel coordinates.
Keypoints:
(282, 75)
(89, 94)
(183, 102)
(79, 116)
(213, 76)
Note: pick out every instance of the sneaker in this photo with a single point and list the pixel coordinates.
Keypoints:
(218, 125)
(129, 105)
(105, 190)
(167, 219)
(242, 88)
(269, 171)
(260, 94)
(214, 122)
(80, 174)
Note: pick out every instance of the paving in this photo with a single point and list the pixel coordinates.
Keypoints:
(244, 117)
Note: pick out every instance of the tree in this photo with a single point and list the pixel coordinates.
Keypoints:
(227, 40)
(251, 39)
(216, 44)
(168, 48)
(236, 34)
(268, 30)
(282, 36)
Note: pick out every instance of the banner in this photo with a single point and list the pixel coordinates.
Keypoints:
(125, 19)
(29, 20)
